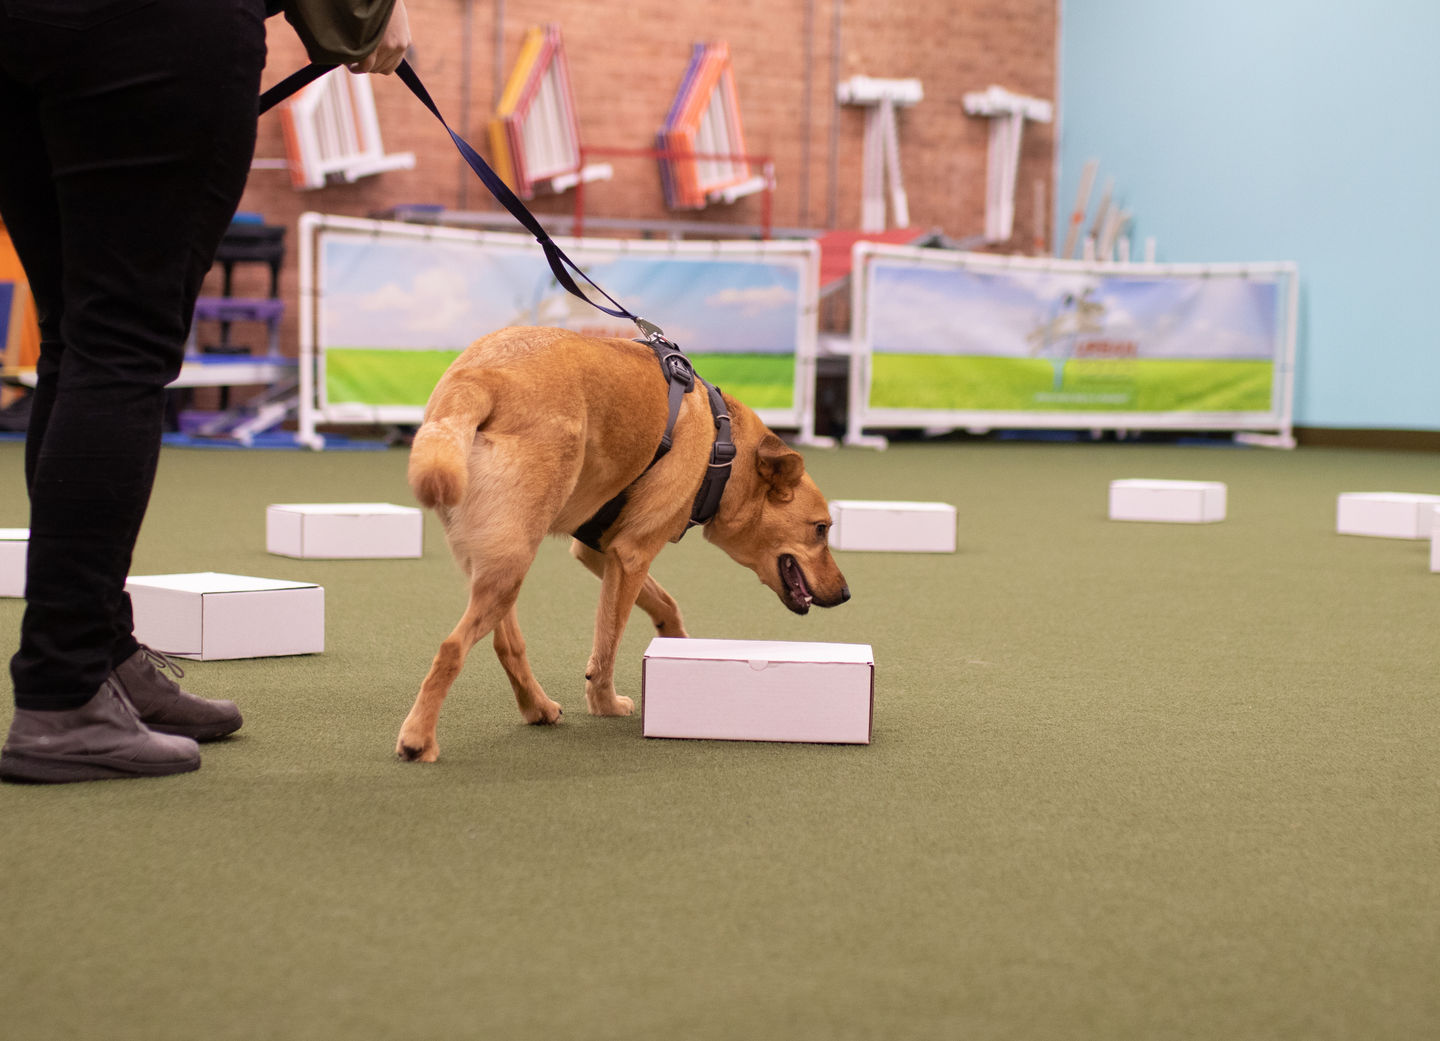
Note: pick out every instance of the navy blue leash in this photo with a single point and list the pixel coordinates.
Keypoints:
(560, 264)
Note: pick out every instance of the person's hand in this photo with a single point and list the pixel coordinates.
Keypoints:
(394, 42)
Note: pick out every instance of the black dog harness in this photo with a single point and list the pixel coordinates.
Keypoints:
(680, 375)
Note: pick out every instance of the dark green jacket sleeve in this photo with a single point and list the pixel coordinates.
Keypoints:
(338, 32)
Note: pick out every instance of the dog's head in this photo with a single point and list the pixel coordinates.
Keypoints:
(779, 528)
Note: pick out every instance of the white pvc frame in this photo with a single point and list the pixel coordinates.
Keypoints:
(1273, 429)
(313, 410)
(335, 130)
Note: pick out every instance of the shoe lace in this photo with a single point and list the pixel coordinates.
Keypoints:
(162, 661)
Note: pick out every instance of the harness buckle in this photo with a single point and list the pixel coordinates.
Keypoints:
(678, 368)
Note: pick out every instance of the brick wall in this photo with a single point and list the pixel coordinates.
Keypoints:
(626, 60)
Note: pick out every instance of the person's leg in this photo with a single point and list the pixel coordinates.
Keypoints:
(147, 123)
(137, 126)
(32, 217)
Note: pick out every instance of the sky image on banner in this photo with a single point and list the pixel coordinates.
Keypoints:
(963, 338)
(394, 311)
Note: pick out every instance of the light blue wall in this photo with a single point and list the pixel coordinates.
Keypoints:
(1304, 130)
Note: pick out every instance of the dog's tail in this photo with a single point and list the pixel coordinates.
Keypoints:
(439, 456)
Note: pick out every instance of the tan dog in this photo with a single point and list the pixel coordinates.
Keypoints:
(528, 434)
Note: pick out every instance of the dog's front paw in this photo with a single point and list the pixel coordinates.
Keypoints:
(415, 749)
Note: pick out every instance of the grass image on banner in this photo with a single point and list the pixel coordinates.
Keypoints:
(968, 383)
(759, 380)
(383, 377)
(406, 377)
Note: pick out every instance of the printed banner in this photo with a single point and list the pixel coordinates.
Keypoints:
(964, 334)
(396, 306)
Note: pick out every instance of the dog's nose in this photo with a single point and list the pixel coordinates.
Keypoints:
(844, 595)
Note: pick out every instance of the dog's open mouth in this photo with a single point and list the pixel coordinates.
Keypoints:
(797, 594)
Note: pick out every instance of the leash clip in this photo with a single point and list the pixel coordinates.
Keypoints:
(651, 331)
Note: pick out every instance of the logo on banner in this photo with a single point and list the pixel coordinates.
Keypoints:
(1073, 331)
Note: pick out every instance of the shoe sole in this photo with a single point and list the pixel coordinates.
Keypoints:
(213, 732)
(18, 766)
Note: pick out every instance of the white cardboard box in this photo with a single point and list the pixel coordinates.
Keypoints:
(1391, 515)
(14, 542)
(904, 527)
(757, 690)
(343, 530)
(209, 616)
(1181, 502)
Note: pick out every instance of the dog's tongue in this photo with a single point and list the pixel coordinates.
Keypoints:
(795, 580)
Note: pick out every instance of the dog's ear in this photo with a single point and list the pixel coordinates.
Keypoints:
(779, 466)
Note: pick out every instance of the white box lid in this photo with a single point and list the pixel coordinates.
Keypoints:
(873, 504)
(1405, 497)
(344, 507)
(215, 582)
(762, 652)
(1141, 482)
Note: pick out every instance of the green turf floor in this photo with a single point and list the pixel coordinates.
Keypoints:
(1128, 781)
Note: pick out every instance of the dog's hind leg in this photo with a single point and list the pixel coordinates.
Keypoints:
(490, 601)
(534, 704)
(652, 598)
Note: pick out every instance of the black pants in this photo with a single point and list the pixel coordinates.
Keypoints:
(126, 133)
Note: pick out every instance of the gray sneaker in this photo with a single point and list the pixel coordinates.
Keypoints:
(100, 740)
(163, 706)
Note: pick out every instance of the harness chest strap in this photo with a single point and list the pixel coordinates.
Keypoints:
(722, 455)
